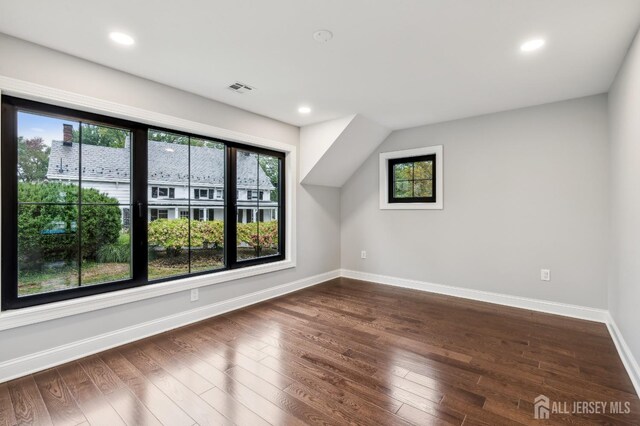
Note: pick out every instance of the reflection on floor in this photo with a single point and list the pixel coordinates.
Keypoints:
(342, 352)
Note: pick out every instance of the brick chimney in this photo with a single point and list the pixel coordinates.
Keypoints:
(67, 134)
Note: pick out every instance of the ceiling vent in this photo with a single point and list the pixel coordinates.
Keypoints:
(240, 87)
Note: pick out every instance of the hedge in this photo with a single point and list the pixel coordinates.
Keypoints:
(173, 234)
(49, 232)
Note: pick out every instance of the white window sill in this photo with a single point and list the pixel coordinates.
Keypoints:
(26, 316)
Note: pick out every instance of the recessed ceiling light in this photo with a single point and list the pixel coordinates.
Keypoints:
(304, 110)
(531, 45)
(322, 36)
(121, 38)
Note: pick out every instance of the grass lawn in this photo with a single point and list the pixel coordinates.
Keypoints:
(160, 266)
(67, 277)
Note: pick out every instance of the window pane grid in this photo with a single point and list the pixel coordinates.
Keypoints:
(70, 234)
(411, 179)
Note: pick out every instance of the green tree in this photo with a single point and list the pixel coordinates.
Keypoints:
(101, 136)
(33, 159)
(271, 167)
(159, 136)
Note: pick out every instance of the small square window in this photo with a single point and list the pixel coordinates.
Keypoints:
(412, 179)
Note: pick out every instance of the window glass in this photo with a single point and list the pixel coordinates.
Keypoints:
(258, 176)
(412, 179)
(168, 229)
(207, 226)
(247, 169)
(73, 186)
(268, 225)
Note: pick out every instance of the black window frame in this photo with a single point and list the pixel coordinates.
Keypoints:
(391, 179)
(139, 218)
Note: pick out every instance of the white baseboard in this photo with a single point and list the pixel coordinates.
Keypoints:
(567, 310)
(59, 355)
(69, 352)
(627, 357)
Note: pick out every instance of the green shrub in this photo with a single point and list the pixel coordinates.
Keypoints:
(173, 234)
(208, 234)
(120, 252)
(49, 232)
(267, 237)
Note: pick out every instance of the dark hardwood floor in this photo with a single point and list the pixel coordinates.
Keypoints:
(344, 352)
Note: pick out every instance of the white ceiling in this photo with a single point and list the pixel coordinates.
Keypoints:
(401, 63)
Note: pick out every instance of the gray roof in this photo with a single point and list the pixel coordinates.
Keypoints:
(168, 164)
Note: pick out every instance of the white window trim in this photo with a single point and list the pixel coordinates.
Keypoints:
(53, 96)
(384, 179)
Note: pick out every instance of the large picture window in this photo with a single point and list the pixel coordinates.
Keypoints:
(94, 204)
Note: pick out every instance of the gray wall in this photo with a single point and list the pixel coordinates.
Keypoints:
(318, 211)
(524, 189)
(624, 113)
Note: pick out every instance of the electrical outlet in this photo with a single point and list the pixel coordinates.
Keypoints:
(363, 254)
(545, 274)
(195, 295)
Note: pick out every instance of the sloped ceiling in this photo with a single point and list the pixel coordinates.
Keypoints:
(332, 151)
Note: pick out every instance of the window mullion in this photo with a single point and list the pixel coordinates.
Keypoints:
(231, 203)
(139, 202)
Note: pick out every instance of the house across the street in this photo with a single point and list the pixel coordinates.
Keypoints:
(172, 193)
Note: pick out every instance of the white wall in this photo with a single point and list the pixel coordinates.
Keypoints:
(624, 284)
(316, 139)
(318, 236)
(524, 189)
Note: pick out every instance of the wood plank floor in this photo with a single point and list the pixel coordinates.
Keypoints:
(344, 352)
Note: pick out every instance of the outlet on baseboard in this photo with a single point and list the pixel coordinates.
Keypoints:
(363, 254)
(195, 295)
(545, 274)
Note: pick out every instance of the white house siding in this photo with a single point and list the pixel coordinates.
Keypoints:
(121, 191)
